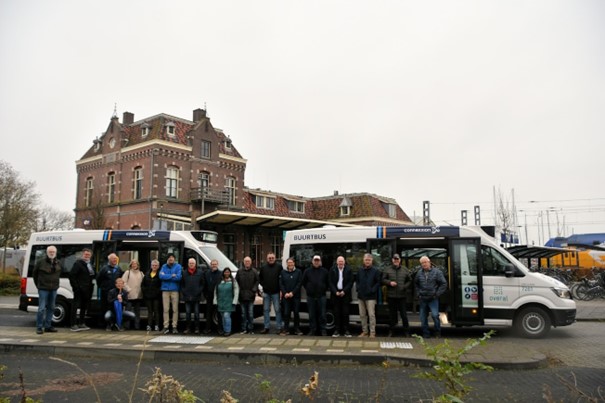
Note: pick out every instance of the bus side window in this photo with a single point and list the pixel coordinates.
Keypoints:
(494, 262)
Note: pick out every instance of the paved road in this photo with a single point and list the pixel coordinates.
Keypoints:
(54, 381)
(574, 349)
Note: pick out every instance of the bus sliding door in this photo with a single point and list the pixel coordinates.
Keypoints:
(465, 282)
(382, 250)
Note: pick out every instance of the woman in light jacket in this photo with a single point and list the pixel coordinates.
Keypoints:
(133, 278)
(225, 298)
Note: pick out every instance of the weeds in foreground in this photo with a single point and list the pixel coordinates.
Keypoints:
(576, 394)
(164, 388)
(447, 368)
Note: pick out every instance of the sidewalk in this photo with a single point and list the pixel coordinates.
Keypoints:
(269, 348)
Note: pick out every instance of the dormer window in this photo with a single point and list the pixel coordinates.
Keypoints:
(345, 206)
(145, 129)
(171, 129)
(227, 144)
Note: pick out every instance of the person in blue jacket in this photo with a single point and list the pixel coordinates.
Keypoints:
(171, 274)
(368, 282)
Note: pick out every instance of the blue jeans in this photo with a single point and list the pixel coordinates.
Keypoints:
(46, 308)
(192, 306)
(269, 299)
(433, 306)
(226, 321)
(317, 313)
(247, 315)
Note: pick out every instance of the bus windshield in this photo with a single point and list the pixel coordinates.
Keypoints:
(214, 253)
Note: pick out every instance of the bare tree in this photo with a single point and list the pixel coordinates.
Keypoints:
(18, 201)
(52, 219)
(505, 214)
(97, 215)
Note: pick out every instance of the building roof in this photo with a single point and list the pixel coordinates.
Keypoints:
(130, 134)
(265, 221)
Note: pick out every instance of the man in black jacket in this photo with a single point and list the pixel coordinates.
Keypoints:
(47, 274)
(289, 284)
(211, 278)
(315, 281)
(341, 284)
(106, 280)
(269, 281)
(397, 279)
(247, 279)
(80, 277)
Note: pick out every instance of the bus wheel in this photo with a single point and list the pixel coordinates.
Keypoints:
(533, 322)
(330, 320)
(61, 312)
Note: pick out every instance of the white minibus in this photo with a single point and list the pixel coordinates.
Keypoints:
(142, 245)
(487, 286)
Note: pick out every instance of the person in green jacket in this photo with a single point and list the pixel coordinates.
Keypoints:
(225, 298)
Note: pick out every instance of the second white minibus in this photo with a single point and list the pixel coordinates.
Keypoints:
(486, 285)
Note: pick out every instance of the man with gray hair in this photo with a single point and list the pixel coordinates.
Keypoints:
(430, 284)
(106, 280)
(368, 282)
(47, 273)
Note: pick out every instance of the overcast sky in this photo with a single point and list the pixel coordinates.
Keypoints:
(415, 100)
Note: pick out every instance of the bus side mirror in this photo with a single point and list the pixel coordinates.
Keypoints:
(509, 270)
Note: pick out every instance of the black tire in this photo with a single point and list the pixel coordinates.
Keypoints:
(330, 320)
(533, 322)
(582, 293)
(61, 312)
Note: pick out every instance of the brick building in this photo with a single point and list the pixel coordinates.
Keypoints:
(165, 172)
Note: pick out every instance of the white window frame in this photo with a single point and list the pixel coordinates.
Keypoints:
(111, 187)
(137, 190)
(203, 150)
(172, 182)
(145, 131)
(230, 187)
(265, 202)
(345, 211)
(88, 190)
(296, 206)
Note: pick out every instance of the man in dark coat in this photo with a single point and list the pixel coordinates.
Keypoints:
(247, 279)
(81, 279)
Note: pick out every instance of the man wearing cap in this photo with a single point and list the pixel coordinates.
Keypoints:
(315, 281)
(368, 282)
(397, 280)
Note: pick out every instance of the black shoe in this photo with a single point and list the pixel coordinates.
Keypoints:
(298, 332)
(50, 330)
(324, 333)
(264, 331)
(437, 335)
(390, 333)
(406, 333)
(226, 334)
(39, 331)
(207, 331)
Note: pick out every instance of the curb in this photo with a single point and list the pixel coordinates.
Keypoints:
(537, 360)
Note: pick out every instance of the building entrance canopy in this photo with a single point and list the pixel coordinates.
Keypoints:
(265, 221)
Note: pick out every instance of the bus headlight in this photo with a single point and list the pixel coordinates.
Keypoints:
(562, 292)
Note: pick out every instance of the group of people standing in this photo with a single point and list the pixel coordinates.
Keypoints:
(122, 293)
(278, 284)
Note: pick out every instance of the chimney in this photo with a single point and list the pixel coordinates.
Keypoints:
(336, 193)
(127, 118)
(198, 114)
